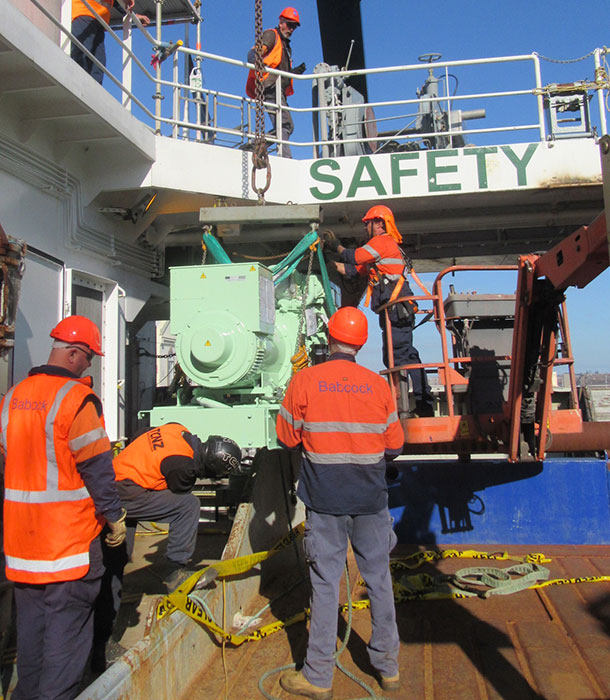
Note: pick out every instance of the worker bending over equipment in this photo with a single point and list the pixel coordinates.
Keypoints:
(383, 262)
(155, 475)
(343, 418)
(59, 492)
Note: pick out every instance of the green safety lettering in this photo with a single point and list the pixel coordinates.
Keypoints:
(421, 172)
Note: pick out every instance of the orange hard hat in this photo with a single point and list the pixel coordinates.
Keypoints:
(79, 329)
(348, 325)
(380, 211)
(291, 15)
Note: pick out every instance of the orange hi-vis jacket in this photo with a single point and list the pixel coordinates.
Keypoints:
(141, 460)
(102, 7)
(344, 418)
(379, 257)
(49, 424)
(273, 60)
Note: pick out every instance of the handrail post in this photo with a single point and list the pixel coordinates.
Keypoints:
(539, 99)
(158, 96)
(126, 62)
(600, 95)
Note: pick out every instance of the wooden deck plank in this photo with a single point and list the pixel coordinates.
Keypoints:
(553, 643)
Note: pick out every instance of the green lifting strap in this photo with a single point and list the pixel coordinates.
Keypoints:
(330, 302)
(215, 249)
(290, 262)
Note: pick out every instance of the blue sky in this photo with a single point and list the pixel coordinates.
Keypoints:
(396, 32)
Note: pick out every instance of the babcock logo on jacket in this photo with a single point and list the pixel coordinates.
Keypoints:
(155, 439)
(27, 405)
(344, 388)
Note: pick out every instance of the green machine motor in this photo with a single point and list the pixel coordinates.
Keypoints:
(236, 332)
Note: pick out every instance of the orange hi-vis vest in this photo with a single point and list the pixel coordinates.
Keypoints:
(273, 60)
(79, 9)
(49, 515)
(381, 256)
(141, 460)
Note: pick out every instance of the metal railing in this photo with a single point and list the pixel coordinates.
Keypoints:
(190, 111)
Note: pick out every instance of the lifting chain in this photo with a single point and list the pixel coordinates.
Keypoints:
(260, 157)
(204, 248)
(300, 360)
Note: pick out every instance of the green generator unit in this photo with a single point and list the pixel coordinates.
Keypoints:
(236, 332)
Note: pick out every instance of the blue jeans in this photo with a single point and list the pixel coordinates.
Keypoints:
(325, 544)
(90, 33)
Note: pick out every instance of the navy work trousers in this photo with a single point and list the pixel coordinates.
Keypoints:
(55, 632)
(90, 33)
(406, 354)
(179, 510)
(325, 544)
(269, 95)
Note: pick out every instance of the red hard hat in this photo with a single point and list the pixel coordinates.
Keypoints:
(79, 329)
(348, 325)
(379, 211)
(291, 15)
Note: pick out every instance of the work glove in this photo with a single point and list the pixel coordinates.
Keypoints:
(331, 241)
(300, 69)
(118, 530)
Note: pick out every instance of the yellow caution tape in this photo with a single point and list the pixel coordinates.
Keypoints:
(575, 579)
(180, 600)
(420, 585)
(413, 561)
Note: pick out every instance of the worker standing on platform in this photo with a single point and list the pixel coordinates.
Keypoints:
(343, 418)
(277, 53)
(88, 30)
(381, 259)
(59, 491)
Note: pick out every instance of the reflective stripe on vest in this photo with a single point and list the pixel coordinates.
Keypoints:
(43, 566)
(52, 493)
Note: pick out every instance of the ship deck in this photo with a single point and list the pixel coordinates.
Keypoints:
(546, 643)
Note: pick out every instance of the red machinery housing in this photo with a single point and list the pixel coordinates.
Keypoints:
(500, 399)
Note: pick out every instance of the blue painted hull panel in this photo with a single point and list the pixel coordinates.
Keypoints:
(562, 501)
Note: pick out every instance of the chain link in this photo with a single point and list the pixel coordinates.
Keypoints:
(569, 60)
(204, 248)
(300, 334)
(260, 157)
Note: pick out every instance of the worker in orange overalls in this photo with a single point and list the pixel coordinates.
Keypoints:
(59, 493)
(381, 260)
(277, 53)
(88, 30)
(343, 418)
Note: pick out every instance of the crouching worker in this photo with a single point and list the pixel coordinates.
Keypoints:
(155, 476)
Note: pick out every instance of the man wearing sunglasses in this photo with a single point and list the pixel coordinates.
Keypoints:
(277, 54)
(59, 492)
